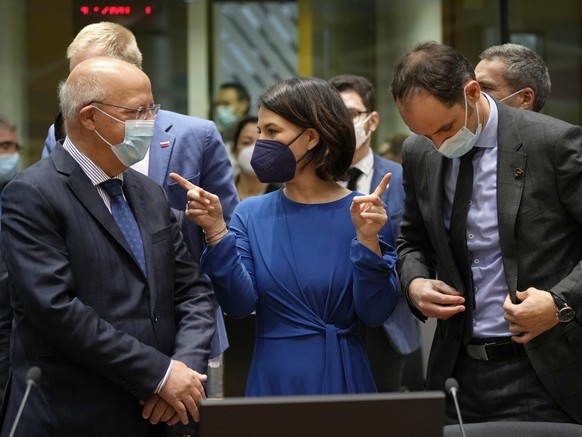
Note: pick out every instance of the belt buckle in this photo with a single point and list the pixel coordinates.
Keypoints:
(478, 351)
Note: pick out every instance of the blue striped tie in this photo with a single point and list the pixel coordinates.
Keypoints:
(125, 220)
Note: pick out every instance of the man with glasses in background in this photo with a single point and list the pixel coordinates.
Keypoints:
(397, 341)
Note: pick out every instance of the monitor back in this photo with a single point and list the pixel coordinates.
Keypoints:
(357, 415)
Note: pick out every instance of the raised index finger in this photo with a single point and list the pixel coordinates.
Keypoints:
(184, 183)
(383, 185)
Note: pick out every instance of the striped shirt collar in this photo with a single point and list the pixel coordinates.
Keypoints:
(92, 170)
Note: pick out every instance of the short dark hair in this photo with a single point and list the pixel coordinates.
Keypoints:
(523, 68)
(310, 102)
(437, 69)
(241, 91)
(240, 126)
(362, 86)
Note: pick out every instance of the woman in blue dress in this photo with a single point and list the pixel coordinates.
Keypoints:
(312, 259)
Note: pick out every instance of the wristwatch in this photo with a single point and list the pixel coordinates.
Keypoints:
(564, 312)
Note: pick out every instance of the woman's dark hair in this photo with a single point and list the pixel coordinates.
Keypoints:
(240, 126)
(313, 103)
(437, 69)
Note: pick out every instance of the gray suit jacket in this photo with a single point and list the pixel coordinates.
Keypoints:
(101, 332)
(539, 198)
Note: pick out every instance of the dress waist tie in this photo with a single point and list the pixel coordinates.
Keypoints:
(336, 352)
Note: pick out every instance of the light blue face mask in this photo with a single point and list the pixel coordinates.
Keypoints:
(9, 165)
(224, 116)
(464, 140)
(136, 142)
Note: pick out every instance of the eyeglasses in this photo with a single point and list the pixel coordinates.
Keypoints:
(141, 113)
(355, 113)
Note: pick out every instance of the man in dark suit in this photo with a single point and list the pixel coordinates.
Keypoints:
(390, 345)
(496, 258)
(119, 325)
(9, 167)
(189, 146)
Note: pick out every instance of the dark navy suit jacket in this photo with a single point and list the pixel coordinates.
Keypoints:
(401, 327)
(102, 333)
(193, 148)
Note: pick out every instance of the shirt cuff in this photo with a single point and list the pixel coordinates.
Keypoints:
(164, 379)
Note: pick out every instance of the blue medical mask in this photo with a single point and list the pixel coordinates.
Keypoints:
(464, 140)
(224, 116)
(9, 165)
(136, 141)
(273, 161)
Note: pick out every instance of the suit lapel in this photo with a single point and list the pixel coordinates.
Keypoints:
(160, 150)
(435, 167)
(87, 195)
(511, 172)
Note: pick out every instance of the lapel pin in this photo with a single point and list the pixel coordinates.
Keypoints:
(518, 173)
(164, 144)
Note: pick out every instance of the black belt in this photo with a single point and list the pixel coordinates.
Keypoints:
(494, 349)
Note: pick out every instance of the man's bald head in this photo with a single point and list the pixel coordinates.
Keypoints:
(101, 79)
(96, 99)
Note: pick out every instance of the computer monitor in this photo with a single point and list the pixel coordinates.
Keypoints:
(357, 415)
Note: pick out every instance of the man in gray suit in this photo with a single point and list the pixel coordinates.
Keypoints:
(496, 258)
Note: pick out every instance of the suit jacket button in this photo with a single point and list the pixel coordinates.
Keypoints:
(155, 319)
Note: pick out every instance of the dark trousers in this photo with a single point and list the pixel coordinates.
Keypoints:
(501, 390)
(238, 356)
(160, 430)
(392, 371)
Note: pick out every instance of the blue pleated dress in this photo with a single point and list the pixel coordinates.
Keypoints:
(300, 267)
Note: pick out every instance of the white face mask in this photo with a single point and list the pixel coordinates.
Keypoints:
(511, 95)
(244, 159)
(360, 130)
(464, 140)
(136, 141)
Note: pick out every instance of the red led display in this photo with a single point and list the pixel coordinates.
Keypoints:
(134, 14)
(113, 10)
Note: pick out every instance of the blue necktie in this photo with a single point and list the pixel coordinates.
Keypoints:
(125, 220)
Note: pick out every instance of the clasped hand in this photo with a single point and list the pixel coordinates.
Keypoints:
(180, 396)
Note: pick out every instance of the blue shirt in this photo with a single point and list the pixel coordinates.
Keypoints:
(483, 232)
